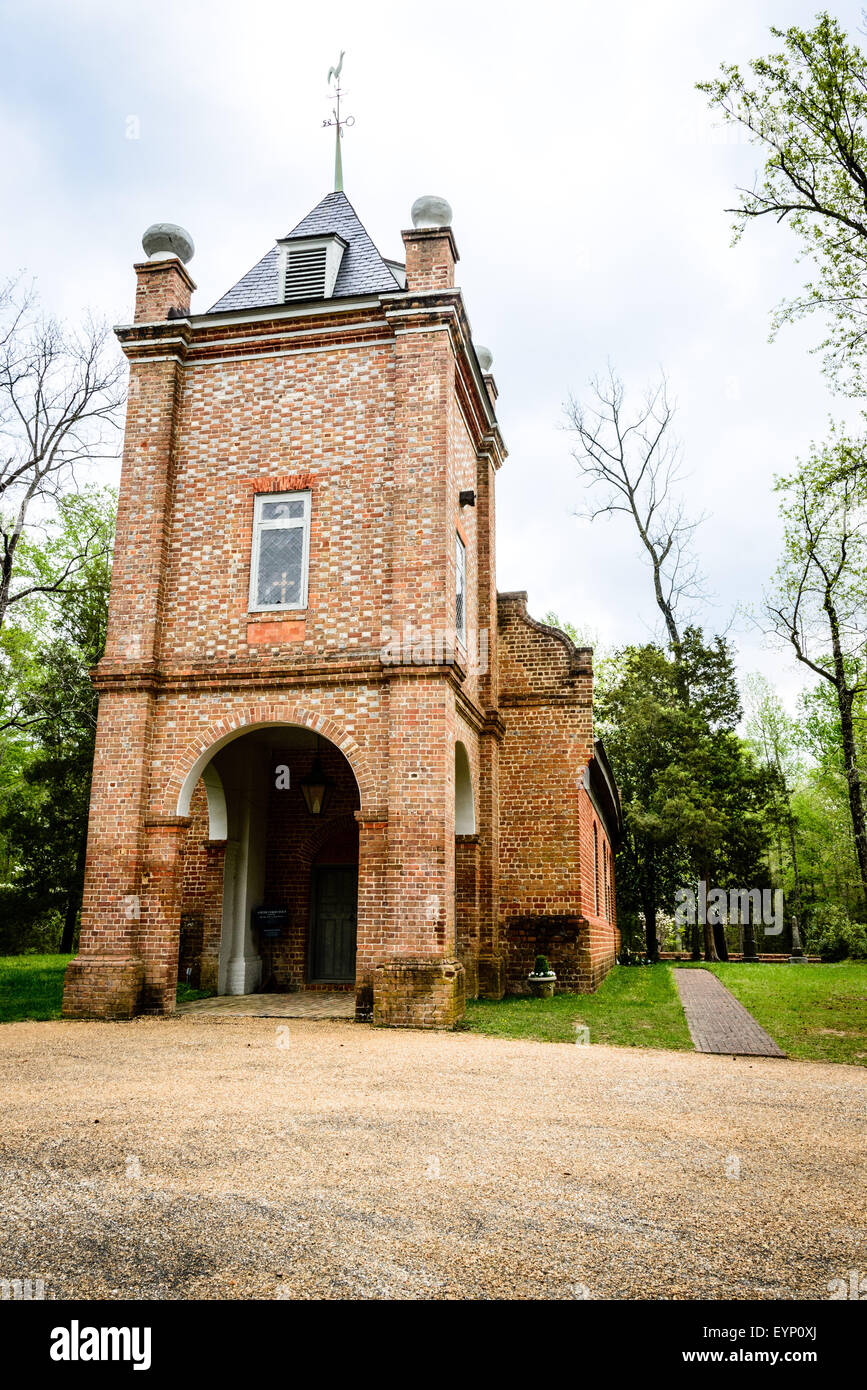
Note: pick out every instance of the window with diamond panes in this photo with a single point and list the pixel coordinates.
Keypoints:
(281, 541)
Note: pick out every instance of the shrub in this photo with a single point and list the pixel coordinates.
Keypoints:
(835, 937)
(628, 957)
(27, 927)
(541, 967)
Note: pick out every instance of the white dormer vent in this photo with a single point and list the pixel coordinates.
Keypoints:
(308, 266)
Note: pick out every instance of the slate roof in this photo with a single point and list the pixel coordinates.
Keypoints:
(362, 269)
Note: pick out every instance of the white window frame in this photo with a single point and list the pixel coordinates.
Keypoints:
(461, 568)
(596, 912)
(279, 524)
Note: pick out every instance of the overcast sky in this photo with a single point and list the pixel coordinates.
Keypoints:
(588, 183)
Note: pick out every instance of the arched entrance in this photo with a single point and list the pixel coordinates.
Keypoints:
(466, 871)
(465, 805)
(269, 881)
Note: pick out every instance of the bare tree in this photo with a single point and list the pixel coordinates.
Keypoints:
(631, 461)
(60, 398)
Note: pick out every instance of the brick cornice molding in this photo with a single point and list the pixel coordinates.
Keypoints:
(163, 268)
(167, 822)
(155, 341)
(517, 699)
(211, 677)
(422, 234)
(494, 725)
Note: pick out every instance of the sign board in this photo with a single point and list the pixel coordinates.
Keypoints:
(270, 921)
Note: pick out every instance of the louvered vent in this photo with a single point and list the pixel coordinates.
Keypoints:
(305, 273)
(308, 266)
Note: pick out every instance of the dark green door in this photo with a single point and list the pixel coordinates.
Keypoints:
(335, 904)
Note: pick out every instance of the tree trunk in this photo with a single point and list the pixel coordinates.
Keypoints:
(710, 952)
(797, 943)
(695, 953)
(73, 898)
(853, 779)
(649, 906)
(651, 945)
(845, 699)
(719, 940)
(750, 952)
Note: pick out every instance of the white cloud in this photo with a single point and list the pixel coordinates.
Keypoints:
(589, 188)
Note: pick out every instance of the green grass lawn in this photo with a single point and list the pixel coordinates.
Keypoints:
(31, 987)
(635, 1006)
(187, 993)
(818, 1012)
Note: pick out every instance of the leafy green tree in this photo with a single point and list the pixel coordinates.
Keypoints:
(805, 108)
(820, 803)
(640, 718)
(692, 794)
(819, 601)
(715, 795)
(50, 720)
(46, 817)
(772, 735)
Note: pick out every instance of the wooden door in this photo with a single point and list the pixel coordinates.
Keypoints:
(334, 890)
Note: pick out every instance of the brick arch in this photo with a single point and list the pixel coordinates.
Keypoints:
(465, 799)
(196, 756)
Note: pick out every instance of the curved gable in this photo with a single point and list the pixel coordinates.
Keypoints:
(536, 659)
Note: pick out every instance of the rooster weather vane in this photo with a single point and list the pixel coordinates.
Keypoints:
(337, 122)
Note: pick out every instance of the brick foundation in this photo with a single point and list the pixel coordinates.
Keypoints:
(103, 987)
(492, 977)
(418, 994)
(565, 941)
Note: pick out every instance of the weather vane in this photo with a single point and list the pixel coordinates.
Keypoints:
(337, 122)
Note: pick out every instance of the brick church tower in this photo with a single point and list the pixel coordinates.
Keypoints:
(329, 753)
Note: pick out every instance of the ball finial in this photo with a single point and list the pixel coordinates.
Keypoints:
(164, 239)
(430, 211)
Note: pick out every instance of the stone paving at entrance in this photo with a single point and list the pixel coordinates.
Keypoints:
(717, 1021)
(305, 1003)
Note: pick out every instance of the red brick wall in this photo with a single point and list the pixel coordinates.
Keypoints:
(430, 258)
(378, 412)
(356, 407)
(162, 285)
(546, 816)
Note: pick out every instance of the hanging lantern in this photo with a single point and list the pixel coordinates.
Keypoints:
(316, 787)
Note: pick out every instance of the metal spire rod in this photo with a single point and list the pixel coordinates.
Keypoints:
(337, 122)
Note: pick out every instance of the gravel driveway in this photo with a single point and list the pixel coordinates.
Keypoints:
(204, 1158)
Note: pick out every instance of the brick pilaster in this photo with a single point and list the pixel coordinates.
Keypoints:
(162, 286)
(162, 860)
(431, 253)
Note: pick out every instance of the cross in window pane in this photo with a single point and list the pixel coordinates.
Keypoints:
(281, 554)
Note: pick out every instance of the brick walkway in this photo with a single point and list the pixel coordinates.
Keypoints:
(305, 1003)
(717, 1021)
